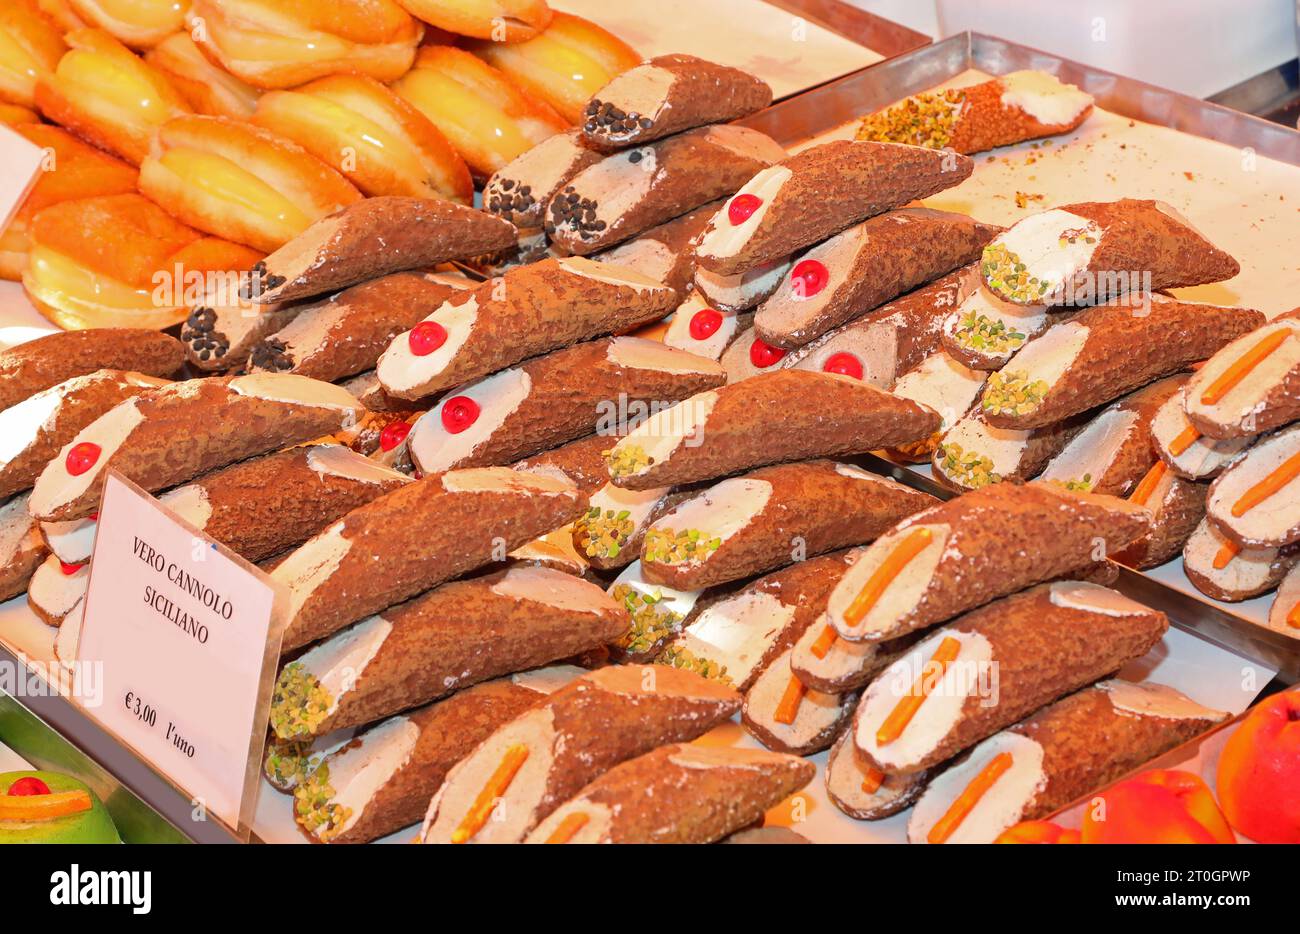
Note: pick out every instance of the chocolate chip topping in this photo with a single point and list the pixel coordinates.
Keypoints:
(569, 209)
(604, 117)
(259, 281)
(271, 354)
(200, 334)
(500, 200)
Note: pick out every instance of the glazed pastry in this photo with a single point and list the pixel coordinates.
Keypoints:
(1255, 502)
(529, 311)
(676, 794)
(30, 49)
(382, 779)
(414, 538)
(60, 12)
(206, 87)
(1176, 505)
(785, 415)
(519, 191)
(1062, 753)
(21, 547)
(863, 267)
(1181, 445)
(104, 93)
(1222, 570)
(785, 715)
(744, 290)
(281, 43)
(1013, 108)
(1250, 386)
(632, 191)
(564, 66)
(171, 434)
(223, 329)
(986, 330)
(43, 363)
(699, 328)
(531, 766)
(866, 793)
(442, 641)
(982, 545)
(378, 140)
(667, 95)
(947, 387)
(57, 590)
(767, 518)
(489, 120)
(239, 181)
(140, 24)
(553, 399)
(1043, 643)
(1103, 353)
(1284, 615)
(37, 428)
(498, 20)
(817, 193)
(657, 613)
(15, 115)
(665, 253)
(972, 454)
(1097, 251)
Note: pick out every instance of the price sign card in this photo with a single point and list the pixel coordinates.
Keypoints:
(23, 161)
(188, 635)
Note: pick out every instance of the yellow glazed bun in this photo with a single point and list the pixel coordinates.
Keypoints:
(140, 24)
(498, 20)
(206, 87)
(30, 47)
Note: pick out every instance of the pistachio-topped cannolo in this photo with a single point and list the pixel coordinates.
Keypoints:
(986, 330)
(1250, 386)
(1256, 501)
(972, 453)
(40, 364)
(657, 615)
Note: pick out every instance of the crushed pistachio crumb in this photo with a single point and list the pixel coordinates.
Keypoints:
(1012, 393)
(923, 448)
(678, 656)
(315, 808)
(668, 547)
(627, 459)
(969, 468)
(299, 703)
(604, 533)
(1005, 274)
(652, 620)
(1082, 485)
(921, 120)
(289, 762)
(978, 331)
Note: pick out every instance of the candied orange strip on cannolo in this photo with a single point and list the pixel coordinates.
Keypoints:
(486, 801)
(1147, 485)
(1267, 487)
(1183, 440)
(872, 779)
(571, 824)
(1227, 551)
(907, 549)
(788, 708)
(1240, 369)
(824, 641)
(911, 702)
(970, 796)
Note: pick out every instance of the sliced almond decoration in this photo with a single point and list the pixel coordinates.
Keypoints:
(788, 707)
(1147, 485)
(486, 801)
(971, 795)
(911, 702)
(1227, 551)
(568, 828)
(905, 551)
(1265, 488)
(1184, 440)
(1240, 369)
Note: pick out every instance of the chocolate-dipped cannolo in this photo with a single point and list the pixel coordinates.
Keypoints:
(39, 364)
(988, 668)
(1097, 251)
(550, 400)
(1255, 502)
(982, 545)
(866, 793)
(819, 192)
(657, 615)
(345, 334)
(1176, 505)
(1012, 108)
(944, 385)
(220, 333)
(1250, 386)
(749, 355)
(372, 238)
(986, 330)
(676, 794)
(1222, 570)
(1181, 445)
(168, 435)
(21, 547)
(786, 715)
(414, 538)
(520, 190)
(699, 328)
(57, 589)
(634, 190)
(743, 290)
(1103, 353)
(666, 95)
(35, 429)
(972, 453)
(665, 253)
(771, 517)
(726, 430)
(529, 311)
(525, 770)
(1284, 614)
(1061, 753)
(383, 778)
(864, 266)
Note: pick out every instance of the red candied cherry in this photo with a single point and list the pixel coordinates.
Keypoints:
(845, 364)
(94, 517)
(763, 354)
(808, 278)
(394, 433)
(29, 785)
(459, 413)
(741, 207)
(82, 457)
(69, 568)
(705, 323)
(426, 337)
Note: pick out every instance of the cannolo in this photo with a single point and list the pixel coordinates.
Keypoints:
(982, 545)
(1060, 754)
(57, 589)
(1097, 251)
(699, 328)
(288, 763)
(657, 615)
(609, 535)
(383, 778)
(168, 435)
(553, 399)
(371, 393)
(749, 355)
(222, 330)
(414, 538)
(767, 518)
(346, 333)
(71, 542)
(1222, 570)
(820, 659)
(944, 385)
(726, 430)
(529, 311)
(817, 193)
(972, 453)
(1250, 386)
(206, 87)
(1103, 353)
(866, 793)
(676, 794)
(665, 253)
(1255, 502)
(773, 834)
(864, 266)
(525, 770)
(986, 330)
(530, 246)
(519, 191)
(580, 462)
(785, 715)
(32, 47)
(502, 20)
(666, 95)
(35, 429)
(632, 191)
(372, 238)
(940, 698)
(1013, 108)
(1176, 505)
(744, 290)
(1181, 445)
(43, 363)
(21, 547)
(1284, 614)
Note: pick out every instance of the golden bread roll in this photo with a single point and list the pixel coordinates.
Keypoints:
(498, 20)
(141, 24)
(30, 47)
(206, 87)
